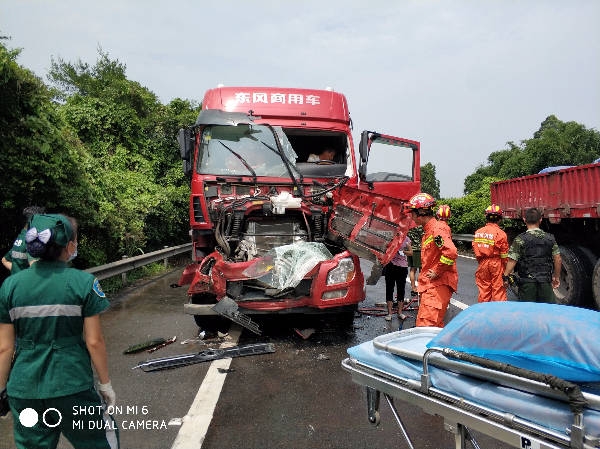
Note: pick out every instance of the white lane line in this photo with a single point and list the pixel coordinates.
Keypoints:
(461, 305)
(195, 424)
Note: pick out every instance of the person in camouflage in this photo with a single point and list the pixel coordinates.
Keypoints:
(415, 235)
(539, 261)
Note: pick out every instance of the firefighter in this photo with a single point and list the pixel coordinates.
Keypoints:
(52, 313)
(539, 261)
(438, 278)
(443, 215)
(490, 246)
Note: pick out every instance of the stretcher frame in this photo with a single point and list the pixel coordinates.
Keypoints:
(461, 414)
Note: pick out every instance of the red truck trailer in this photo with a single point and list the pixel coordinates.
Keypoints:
(274, 231)
(569, 199)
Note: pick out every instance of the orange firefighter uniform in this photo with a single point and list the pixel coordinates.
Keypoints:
(439, 254)
(490, 246)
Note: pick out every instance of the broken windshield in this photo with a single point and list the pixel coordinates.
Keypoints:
(243, 150)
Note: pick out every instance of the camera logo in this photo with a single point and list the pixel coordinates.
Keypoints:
(29, 417)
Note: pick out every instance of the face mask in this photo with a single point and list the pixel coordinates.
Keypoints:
(74, 255)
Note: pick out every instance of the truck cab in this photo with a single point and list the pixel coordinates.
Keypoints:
(274, 227)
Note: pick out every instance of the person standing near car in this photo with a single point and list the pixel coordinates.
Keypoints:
(443, 215)
(539, 261)
(52, 313)
(395, 273)
(490, 246)
(438, 278)
(415, 234)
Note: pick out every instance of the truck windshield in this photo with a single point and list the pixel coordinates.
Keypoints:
(243, 150)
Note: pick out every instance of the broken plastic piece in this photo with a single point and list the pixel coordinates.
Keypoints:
(305, 333)
(162, 345)
(228, 308)
(145, 345)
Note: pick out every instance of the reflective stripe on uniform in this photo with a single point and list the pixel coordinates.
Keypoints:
(446, 261)
(18, 255)
(44, 311)
(484, 241)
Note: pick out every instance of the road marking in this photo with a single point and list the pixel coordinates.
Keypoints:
(195, 424)
(461, 305)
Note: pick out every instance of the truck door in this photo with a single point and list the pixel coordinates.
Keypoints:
(371, 219)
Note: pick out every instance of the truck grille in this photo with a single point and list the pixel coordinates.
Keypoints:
(345, 219)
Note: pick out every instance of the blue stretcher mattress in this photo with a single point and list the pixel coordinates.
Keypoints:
(400, 354)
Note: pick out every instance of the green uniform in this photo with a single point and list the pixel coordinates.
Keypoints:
(18, 254)
(415, 235)
(47, 304)
(533, 250)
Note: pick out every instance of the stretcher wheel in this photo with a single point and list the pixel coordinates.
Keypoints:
(375, 418)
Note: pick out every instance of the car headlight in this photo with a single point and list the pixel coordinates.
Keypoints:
(342, 273)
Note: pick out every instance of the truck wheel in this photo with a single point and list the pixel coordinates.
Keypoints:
(575, 277)
(596, 284)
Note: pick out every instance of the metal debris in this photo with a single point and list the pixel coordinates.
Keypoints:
(205, 356)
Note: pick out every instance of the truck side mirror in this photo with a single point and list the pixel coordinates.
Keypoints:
(186, 145)
(363, 153)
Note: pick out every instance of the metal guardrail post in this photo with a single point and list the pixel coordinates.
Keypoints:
(124, 275)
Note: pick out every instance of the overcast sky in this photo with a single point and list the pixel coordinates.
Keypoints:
(462, 77)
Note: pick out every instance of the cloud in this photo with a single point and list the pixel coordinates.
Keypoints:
(462, 77)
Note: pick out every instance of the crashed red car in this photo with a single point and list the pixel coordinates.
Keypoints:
(280, 231)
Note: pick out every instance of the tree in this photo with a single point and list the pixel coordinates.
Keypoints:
(555, 143)
(429, 183)
(140, 191)
(42, 162)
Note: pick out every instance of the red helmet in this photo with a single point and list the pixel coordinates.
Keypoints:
(493, 209)
(421, 201)
(443, 212)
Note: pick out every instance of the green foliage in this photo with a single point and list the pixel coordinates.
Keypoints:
(40, 161)
(104, 152)
(429, 183)
(468, 212)
(141, 192)
(555, 143)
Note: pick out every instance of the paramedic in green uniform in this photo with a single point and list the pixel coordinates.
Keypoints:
(52, 313)
(16, 259)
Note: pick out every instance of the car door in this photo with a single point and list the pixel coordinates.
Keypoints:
(371, 219)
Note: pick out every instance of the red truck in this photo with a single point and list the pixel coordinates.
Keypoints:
(569, 198)
(270, 229)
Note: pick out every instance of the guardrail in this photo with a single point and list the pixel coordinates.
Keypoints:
(463, 237)
(130, 263)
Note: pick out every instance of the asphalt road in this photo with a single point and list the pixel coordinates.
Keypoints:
(297, 397)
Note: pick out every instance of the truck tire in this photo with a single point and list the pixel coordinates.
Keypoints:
(575, 277)
(596, 284)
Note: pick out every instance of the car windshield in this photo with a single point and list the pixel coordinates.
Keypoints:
(243, 150)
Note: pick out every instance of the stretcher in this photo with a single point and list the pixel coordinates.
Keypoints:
(520, 407)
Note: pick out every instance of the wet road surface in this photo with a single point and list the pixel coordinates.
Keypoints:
(297, 397)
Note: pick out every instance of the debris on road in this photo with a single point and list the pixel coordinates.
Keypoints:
(205, 356)
(305, 333)
(145, 345)
(162, 345)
